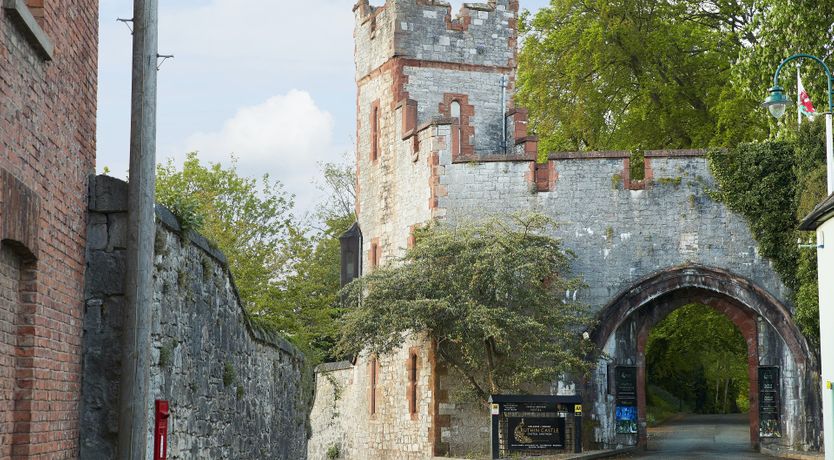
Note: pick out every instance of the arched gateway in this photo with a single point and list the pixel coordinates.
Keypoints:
(439, 137)
(773, 341)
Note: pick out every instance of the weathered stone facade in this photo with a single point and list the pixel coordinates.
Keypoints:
(342, 419)
(436, 140)
(48, 83)
(235, 391)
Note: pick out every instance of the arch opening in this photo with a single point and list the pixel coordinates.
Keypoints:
(772, 340)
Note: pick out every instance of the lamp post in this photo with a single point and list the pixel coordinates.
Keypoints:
(777, 102)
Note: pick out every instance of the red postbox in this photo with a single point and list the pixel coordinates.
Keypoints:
(160, 432)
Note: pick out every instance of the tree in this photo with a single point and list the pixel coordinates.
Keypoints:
(490, 295)
(693, 343)
(311, 291)
(249, 220)
(628, 74)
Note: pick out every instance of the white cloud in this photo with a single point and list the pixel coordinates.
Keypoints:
(285, 136)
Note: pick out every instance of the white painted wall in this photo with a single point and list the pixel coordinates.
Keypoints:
(825, 234)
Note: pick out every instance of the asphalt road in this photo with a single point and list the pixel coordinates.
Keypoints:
(702, 436)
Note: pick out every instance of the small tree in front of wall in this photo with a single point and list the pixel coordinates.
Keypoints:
(495, 297)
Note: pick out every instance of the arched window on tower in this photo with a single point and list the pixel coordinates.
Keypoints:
(454, 112)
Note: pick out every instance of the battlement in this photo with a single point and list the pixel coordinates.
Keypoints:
(482, 34)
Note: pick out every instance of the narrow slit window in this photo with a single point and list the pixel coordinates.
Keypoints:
(374, 132)
(374, 377)
(412, 384)
(454, 110)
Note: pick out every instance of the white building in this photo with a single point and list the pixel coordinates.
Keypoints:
(822, 220)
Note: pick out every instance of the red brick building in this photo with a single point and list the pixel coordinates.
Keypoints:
(48, 82)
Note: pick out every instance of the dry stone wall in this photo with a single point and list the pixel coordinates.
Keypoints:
(236, 392)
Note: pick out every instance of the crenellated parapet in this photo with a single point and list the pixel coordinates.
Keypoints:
(480, 34)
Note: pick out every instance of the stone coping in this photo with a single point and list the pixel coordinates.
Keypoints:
(36, 34)
(620, 154)
(330, 367)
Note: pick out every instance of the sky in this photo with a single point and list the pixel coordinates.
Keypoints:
(270, 81)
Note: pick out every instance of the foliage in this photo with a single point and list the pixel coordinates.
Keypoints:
(774, 185)
(311, 294)
(700, 357)
(491, 296)
(757, 181)
(311, 291)
(229, 374)
(333, 452)
(287, 272)
(249, 220)
(625, 74)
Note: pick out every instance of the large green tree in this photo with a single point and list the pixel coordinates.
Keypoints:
(627, 74)
(311, 291)
(492, 297)
(286, 269)
(250, 220)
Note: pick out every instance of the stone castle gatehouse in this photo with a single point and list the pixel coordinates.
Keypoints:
(439, 137)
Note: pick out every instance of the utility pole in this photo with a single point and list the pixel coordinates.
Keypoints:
(134, 401)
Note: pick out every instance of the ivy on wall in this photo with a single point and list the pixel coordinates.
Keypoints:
(775, 184)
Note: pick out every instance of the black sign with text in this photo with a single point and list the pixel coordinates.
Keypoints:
(536, 433)
(769, 402)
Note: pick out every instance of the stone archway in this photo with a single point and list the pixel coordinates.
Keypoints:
(765, 322)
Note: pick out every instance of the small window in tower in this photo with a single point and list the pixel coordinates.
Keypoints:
(454, 112)
(374, 255)
(375, 132)
(412, 384)
(374, 371)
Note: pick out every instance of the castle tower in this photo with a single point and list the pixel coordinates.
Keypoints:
(433, 89)
(418, 65)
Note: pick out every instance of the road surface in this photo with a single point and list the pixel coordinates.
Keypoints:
(702, 436)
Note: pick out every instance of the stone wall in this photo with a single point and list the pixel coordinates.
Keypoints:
(235, 391)
(48, 82)
(341, 418)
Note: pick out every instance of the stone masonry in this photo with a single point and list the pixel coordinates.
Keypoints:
(437, 140)
(235, 391)
(48, 81)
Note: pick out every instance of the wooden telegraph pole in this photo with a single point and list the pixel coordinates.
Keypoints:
(134, 401)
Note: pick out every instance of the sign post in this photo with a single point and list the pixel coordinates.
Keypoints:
(534, 424)
(769, 402)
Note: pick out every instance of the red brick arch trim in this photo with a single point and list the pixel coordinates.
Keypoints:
(706, 283)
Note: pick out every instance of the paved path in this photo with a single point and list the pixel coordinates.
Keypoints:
(702, 436)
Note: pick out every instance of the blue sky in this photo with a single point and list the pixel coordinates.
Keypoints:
(268, 80)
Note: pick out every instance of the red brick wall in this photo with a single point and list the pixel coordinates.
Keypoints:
(9, 282)
(47, 149)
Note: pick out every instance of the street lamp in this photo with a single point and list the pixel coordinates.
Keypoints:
(777, 102)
